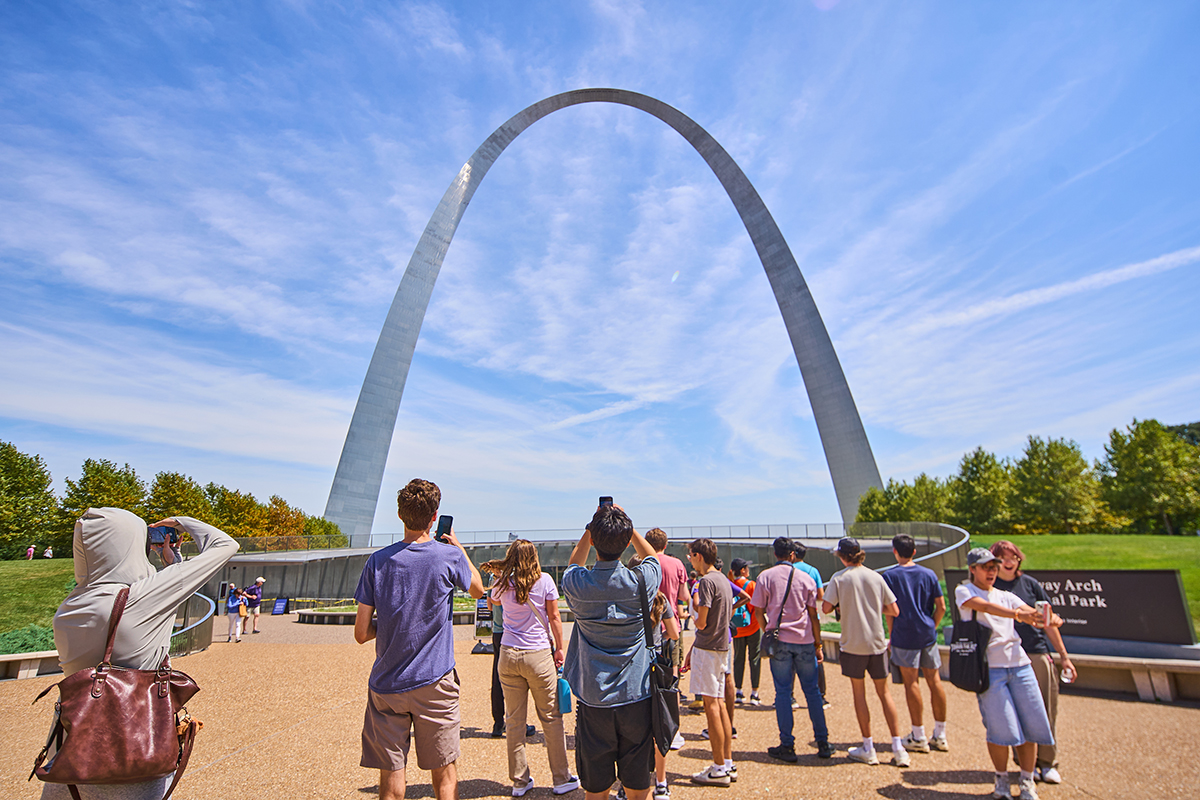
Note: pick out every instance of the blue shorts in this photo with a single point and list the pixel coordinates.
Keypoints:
(1012, 708)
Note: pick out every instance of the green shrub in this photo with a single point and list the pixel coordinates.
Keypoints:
(30, 639)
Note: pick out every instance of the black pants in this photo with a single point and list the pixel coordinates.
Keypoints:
(741, 646)
(497, 691)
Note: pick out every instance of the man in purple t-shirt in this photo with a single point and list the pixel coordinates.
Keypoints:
(413, 691)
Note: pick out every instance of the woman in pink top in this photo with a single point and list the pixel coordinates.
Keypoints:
(531, 652)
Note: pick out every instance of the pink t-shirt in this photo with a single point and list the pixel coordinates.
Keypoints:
(796, 627)
(523, 629)
(673, 576)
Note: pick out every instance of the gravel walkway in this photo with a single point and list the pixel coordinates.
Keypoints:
(283, 716)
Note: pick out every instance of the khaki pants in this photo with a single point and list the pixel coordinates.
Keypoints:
(1047, 679)
(524, 673)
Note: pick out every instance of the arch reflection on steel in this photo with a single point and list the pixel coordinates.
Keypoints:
(355, 491)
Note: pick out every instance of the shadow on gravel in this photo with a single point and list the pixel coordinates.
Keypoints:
(929, 785)
(466, 789)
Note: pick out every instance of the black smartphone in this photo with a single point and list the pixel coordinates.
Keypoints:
(605, 501)
(443, 529)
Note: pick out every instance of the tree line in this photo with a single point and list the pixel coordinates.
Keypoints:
(1147, 482)
(31, 513)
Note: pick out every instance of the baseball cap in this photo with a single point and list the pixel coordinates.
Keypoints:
(980, 555)
(848, 546)
(738, 565)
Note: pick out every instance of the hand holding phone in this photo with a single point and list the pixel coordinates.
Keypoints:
(445, 521)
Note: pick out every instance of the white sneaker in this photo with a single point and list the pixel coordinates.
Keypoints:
(1028, 790)
(863, 756)
(521, 791)
(1002, 790)
(731, 771)
(754, 699)
(915, 745)
(939, 743)
(662, 792)
(571, 785)
(1049, 775)
(901, 758)
(678, 742)
(709, 777)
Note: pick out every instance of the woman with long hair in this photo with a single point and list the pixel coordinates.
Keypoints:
(1012, 708)
(531, 653)
(1036, 643)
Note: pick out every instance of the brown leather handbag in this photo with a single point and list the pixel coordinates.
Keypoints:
(119, 725)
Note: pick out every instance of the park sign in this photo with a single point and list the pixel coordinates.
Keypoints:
(1145, 605)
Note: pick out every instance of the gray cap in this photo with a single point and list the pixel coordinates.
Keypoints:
(980, 555)
(738, 565)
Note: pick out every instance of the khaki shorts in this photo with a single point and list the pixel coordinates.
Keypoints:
(708, 672)
(430, 714)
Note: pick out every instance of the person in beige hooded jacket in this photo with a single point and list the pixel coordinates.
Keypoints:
(110, 551)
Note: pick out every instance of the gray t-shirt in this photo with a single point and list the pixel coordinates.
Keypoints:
(715, 593)
(862, 593)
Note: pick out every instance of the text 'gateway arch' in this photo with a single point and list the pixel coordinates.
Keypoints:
(355, 492)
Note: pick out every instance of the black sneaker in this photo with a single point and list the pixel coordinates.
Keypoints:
(498, 732)
(783, 753)
(825, 750)
(530, 731)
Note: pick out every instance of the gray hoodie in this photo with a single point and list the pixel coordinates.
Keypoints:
(110, 553)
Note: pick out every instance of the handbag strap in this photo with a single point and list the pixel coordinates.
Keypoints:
(541, 617)
(118, 610)
(787, 593)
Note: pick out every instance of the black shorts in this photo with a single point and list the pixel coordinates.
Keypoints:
(614, 742)
(854, 666)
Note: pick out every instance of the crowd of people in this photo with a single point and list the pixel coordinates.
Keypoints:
(889, 623)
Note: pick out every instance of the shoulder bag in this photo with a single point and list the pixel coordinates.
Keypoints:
(770, 638)
(968, 654)
(564, 688)
(664, 684)
(117, 725)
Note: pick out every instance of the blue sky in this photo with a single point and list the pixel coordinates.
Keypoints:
(205, 209)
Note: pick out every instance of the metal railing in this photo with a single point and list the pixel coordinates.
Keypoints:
(193, 626)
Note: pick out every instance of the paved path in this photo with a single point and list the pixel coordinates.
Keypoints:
(283, 716)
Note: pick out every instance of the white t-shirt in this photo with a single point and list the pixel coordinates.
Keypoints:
(1004, 648)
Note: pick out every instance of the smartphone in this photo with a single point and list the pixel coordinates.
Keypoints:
(605, 501)
(443, 529)
(161, 534)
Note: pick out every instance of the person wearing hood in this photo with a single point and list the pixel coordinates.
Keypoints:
(111, 549)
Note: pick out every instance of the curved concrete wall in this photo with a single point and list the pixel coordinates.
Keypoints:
(356, 485)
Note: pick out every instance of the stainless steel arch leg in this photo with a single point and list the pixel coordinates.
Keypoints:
(355, 491)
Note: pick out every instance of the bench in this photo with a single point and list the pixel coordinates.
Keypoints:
(29, 665)
(1168, 680)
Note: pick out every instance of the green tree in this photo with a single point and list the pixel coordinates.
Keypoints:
(1152, 476)
(236, 513)
(927, 500)
(892, 503)
(1189, 433)
(102, 484)
(1054, 489)
(175, 493)
(28, 509)
(323, 533)
(979, 493)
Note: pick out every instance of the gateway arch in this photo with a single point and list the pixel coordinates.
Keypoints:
(355, 491)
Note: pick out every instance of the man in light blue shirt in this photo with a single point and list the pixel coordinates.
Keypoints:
(607, 663)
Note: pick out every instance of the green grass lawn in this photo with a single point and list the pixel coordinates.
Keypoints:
(31, 591)
(1114, 552)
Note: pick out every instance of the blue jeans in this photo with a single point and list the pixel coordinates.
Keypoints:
(800, 661)
(1012, 708)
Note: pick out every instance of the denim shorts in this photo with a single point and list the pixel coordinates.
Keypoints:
(1012, 708)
